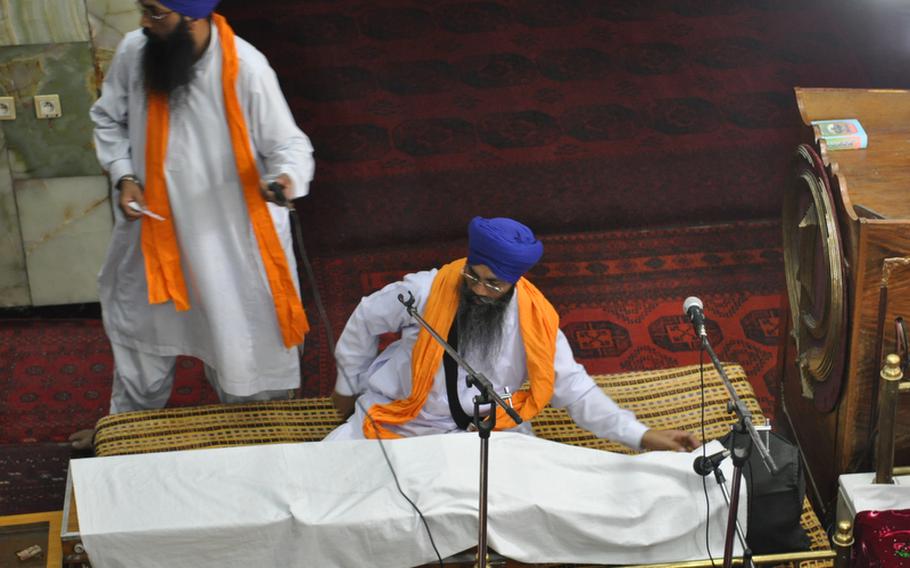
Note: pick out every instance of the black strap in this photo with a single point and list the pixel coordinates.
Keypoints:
(462, 420)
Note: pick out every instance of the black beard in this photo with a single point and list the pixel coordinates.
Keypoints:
(479, 321)
(167, 62)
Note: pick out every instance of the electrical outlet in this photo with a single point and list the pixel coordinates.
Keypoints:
(7, 108)
(47, 106)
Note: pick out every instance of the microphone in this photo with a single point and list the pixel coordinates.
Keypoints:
(694, 309)
(705, 465)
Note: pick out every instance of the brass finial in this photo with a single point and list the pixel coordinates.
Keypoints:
(892, 369)
(844, 535)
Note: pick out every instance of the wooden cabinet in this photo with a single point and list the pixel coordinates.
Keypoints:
(846, 224)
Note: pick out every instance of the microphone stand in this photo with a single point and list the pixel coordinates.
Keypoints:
(741, 443)
(487, 396)
(722, 482)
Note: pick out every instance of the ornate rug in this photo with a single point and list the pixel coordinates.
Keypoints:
(55, 378)
(32, 477)
(567, 114)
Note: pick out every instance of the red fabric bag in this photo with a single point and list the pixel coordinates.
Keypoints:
(882, 539)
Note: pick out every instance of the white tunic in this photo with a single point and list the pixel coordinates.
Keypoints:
(232, 324)
(387, 377)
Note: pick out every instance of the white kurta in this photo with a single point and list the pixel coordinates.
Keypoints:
(232, 324)
(387, 377)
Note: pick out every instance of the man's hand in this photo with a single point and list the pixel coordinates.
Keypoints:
(343, 404)
(83, 439)
(130, 191)
(269, 195)
(675, 440)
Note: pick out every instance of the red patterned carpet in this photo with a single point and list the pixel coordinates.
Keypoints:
(32, 478)
(567, 114)
(55, 378)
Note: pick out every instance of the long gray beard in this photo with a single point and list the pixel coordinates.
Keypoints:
(480, 325)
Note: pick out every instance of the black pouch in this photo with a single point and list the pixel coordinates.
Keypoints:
(775, 501)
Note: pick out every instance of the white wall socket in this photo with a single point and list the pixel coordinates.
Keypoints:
(7, 108)
(47, 106)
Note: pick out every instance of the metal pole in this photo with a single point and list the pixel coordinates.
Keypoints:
(887, 414)
(719, 476)
(732, 516)
(482, 508)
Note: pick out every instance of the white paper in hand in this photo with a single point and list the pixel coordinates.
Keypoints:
(136, 207)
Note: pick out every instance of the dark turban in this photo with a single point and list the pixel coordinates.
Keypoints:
(191, 8)
(503, 245)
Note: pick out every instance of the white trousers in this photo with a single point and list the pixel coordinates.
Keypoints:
(143, 381)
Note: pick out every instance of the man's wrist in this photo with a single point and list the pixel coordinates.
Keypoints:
(127, 177)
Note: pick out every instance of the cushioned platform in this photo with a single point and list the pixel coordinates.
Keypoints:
(215, 425)
(662, 399)
(670, 398)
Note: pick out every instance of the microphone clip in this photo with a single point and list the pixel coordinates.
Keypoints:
(705, 465)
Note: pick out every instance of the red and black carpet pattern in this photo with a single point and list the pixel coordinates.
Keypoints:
(32, 477)
(569, 114)
(55, 378)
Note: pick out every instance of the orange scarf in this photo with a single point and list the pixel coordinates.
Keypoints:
(538, 322)
(159, 238)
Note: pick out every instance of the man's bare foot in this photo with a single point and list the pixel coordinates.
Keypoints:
(83, 439)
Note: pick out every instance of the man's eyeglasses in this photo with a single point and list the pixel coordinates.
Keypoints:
(473, 279)
(152, 13)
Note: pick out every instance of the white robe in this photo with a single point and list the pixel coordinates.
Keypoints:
(232, 324)
(386, 377)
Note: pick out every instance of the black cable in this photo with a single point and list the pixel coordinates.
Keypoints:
(704, 453)
(320, 307)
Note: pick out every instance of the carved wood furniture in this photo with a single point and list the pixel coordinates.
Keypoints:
(846, 229)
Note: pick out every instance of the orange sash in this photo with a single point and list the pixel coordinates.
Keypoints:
(159, 238)
(538, 322)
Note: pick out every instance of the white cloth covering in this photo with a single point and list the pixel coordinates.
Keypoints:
(335, 504)
(232, 324)
(862, 494)
(387, 376)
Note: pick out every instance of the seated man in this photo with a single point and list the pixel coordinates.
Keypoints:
(504, 328)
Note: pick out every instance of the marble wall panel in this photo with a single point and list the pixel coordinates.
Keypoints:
(13, 277)
(56, 147)
(66, 227)
(109, 21)
(27, 22)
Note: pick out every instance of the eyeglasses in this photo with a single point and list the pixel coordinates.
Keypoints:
(473, 280)
(151, 12)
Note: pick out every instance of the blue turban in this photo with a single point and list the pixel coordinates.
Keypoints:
(503, 245)
(191, 8)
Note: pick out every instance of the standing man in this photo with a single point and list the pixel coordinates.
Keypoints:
(192, 126)
(504, 328)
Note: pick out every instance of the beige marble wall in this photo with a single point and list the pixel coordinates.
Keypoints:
(55, 212)
(109, 21)
(66, 226)
(45, 148)
(13, 277)
(27, 22)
